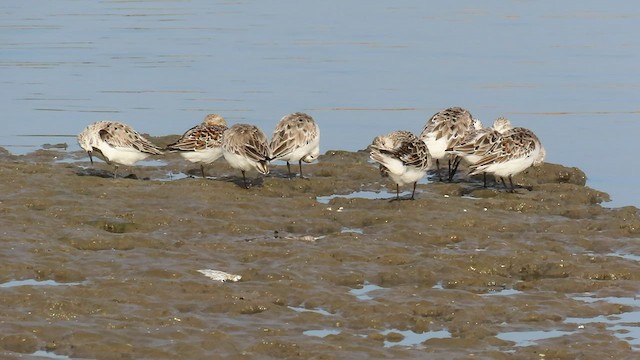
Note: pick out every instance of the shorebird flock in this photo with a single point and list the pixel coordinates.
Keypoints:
(451, 135)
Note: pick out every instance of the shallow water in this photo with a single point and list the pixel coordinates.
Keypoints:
(49, 355)
(364, 194)
(363, 292)
(624, 325)
(411, 338)
(561, 69)
(33, 282)
(317, 311)
(527, 338)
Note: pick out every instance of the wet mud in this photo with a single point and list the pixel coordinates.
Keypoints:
(94, 267)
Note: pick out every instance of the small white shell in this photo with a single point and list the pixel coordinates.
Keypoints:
(307, 238)
(219, 275)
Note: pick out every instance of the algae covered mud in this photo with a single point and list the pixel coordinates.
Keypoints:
(101, 268)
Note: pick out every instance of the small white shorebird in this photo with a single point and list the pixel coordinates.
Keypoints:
(403, 157)
(478, 143)
(296, 138)
(116, 143)
(202, 144)
(516, 150)
(445, 129)
(245, 147)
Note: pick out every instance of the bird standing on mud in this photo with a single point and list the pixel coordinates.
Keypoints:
(296, 138)
(245, 147)
(516, 150)
(116, 144)
(445, 129)
(403, 157)
(202, 143)
(478, 143)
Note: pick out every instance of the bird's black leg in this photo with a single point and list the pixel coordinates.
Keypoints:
(456, 163)
(244, 180)
(202, 170)
(504, 183)
(484, 177)
(289, 169)
(413, 194)
(300, 164)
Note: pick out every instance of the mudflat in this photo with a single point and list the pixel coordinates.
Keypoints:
(94, 267)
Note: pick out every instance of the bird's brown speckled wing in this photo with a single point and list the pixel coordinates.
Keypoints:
(121, 135)
(200, 137)
(293, 131)
(451, 123)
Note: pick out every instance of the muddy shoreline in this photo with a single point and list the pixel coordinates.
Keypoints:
(464, 263)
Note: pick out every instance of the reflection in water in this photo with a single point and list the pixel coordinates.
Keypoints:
(362, 293)
(504, 292)
(315, 310)
(411, 338)
(528, 338)
(626, 256)
(371, 195)
(351, 230)
(321, 333)
(49, 355)
(171, 176)
(33, 282)
(624, 325)
(20, 145)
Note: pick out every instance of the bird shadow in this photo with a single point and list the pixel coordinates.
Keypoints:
(285, 175)
(104, 174)
(237, 180)
(401, 199)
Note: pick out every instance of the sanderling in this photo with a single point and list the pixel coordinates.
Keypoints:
(478, 143)
(445, 129)
(516, 150)
(403, 157)
(296, 138)
(245, 147)
(116, 143)
(202, 143)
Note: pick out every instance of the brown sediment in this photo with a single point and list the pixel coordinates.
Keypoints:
(129, 251)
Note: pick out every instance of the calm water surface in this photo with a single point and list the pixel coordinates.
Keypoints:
(567, 70)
